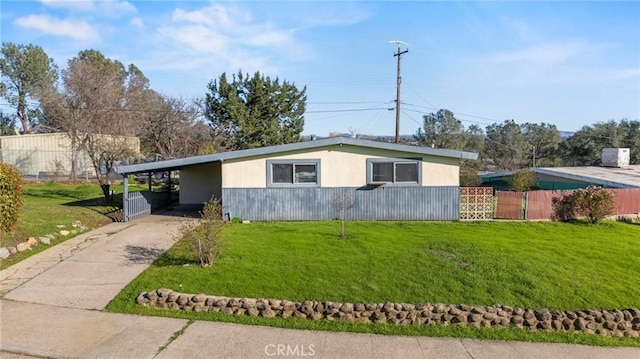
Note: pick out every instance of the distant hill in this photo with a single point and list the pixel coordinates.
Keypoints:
(566, 134)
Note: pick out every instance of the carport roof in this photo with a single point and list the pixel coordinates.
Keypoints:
(176, 164)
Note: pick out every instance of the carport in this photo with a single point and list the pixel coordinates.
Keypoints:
(200, 174)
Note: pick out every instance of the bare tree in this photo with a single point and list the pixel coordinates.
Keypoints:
(97, 108)
(205, 236)
(343, 200)
(174, 128)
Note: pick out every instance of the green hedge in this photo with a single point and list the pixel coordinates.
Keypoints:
(11, 199)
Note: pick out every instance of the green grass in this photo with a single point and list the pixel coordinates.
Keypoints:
(51, 204)
(535, 265)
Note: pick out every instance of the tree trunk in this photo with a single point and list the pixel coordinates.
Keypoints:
(74, 158)
(106, 192)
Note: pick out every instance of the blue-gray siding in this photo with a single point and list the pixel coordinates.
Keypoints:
(372, 203)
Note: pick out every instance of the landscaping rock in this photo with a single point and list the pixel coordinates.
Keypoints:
(198, 298)
(50, 236)
(13, 250)
(44, 240)
(21, 247)
(163, 292)
(614, 323)
(4, 253)
(64, 232)
(347, 308)
(32, 241)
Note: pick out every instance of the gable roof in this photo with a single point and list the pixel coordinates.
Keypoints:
(176, 164)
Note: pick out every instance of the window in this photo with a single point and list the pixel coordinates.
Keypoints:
(293, 173)
(394, 171)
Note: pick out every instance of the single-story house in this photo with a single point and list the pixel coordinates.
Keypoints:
(311, 180)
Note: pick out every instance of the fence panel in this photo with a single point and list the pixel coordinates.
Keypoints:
(476, 203)
(138, 204)
(627, 200)
(509, 205)
(540, 203)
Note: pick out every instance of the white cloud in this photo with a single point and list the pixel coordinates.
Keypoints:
(550, 63)
(69, 4)
(109, 8)
(115, 9)
(78, 30)
(546, 53)
(225, 37)
(137, 22)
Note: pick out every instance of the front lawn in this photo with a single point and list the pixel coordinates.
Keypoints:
(49, 205)
(535, 265)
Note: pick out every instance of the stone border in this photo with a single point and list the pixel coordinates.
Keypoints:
(615, 323)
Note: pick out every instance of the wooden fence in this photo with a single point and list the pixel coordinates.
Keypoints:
(532, 205)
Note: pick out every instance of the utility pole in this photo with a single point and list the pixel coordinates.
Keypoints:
(399, 81)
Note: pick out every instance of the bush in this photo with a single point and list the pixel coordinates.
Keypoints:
(11, 199)
(594, 203)
(522, 181)
(469, 175)
(205, 236)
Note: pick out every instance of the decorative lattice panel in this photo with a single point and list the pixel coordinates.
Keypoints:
(476, 203)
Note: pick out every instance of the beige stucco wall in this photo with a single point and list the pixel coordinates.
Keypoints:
(340, 166)
(198, 183)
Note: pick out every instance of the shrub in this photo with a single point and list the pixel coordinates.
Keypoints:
(522, 181)
(594, 203)
(469, 175)
(11, 199)
(564, 208)
(205, 236)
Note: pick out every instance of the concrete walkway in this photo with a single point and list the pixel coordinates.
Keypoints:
(53, 302)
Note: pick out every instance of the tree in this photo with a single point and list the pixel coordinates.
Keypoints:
(584, 148)
(342, 202)
(507, 146)
(7, 124)
(544, 140)
(97, 107)
(252, 112)
(26, 72)
(522, 181)
(442, 130)
(174, 128)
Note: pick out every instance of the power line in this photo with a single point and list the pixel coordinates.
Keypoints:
(349, 110)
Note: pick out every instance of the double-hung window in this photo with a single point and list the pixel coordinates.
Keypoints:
(293, 173)
(394, 171)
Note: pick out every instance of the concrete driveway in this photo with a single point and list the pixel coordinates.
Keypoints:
(52, 307)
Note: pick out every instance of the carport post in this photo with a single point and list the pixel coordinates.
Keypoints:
(150, 173)
(125, 198)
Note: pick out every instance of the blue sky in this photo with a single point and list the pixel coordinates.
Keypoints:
(566, 63)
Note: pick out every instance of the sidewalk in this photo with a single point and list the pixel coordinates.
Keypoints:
(53, 302)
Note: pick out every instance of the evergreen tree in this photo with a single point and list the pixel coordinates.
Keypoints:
(252, 112)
